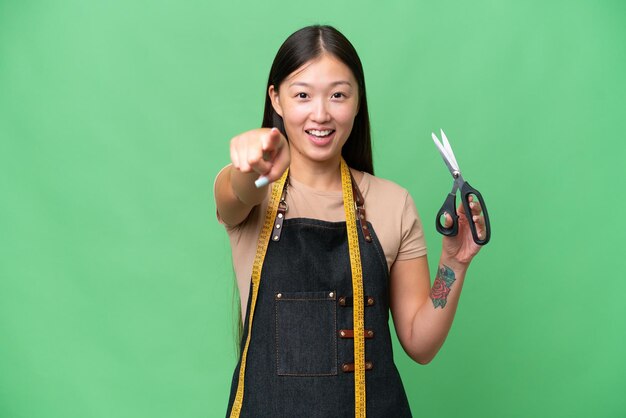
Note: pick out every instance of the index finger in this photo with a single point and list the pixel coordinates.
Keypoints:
(271, 142)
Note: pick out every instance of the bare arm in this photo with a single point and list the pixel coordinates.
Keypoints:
(423, 314)
(257, 153)
(421, 324)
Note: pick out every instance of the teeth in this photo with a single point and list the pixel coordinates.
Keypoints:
(320, 133)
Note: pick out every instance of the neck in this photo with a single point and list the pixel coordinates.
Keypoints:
(323, 176)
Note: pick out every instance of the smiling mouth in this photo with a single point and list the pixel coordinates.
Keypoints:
(320, 134)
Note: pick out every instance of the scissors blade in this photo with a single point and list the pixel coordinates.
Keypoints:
(444, 154)
(448, 148)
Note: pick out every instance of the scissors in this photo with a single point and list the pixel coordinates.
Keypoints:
(449, 206)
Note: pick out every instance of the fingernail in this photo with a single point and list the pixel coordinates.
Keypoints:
(274, 129)
(261, 181)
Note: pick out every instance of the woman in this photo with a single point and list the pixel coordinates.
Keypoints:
(316, 339)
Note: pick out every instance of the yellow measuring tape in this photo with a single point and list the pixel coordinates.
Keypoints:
(357, 288)
(357, 292)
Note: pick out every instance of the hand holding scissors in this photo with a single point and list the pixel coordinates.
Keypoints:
(449, 206)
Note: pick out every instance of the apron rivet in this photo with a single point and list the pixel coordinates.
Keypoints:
(331, 295)
(277, 226)
(279, 295)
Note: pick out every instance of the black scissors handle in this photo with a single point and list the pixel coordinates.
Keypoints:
(466, 192)
(449, 207)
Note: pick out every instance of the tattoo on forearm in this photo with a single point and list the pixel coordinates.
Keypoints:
(441, 287)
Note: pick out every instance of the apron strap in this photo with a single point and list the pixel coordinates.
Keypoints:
(359, 203)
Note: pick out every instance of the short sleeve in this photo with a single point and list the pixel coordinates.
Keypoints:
(413, 242)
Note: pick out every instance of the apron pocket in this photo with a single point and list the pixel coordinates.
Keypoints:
(306, 333)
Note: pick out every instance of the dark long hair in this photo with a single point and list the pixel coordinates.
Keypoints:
(303, 46)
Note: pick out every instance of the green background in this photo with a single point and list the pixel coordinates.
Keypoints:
(116, 287)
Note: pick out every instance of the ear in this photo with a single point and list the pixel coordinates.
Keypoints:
(273, 94)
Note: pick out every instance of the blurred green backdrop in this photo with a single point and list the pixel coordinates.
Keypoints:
(116, 289)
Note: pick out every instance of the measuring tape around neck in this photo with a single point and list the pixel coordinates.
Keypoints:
(357, 292)
(357, 288)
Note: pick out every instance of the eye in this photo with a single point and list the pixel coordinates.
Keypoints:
(338, 95)
(302, 95)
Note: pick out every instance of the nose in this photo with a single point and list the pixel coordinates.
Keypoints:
(320, 113)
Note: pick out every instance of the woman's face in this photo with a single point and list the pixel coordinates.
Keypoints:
(318, 103)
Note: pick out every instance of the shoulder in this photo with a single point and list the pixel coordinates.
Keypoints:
(380, 189)
(394, 217)
(387, 199)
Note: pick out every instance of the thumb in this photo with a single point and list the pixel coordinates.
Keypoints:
(447, 222)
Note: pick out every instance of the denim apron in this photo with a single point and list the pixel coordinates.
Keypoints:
(300, 360)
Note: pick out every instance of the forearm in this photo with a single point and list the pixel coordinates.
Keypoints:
(433, 319)
(244, 188)
(236, 194)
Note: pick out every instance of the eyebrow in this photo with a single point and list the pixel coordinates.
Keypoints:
(333, 84)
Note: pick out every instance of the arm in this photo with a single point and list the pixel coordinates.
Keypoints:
(423, 315)
(260, 152)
